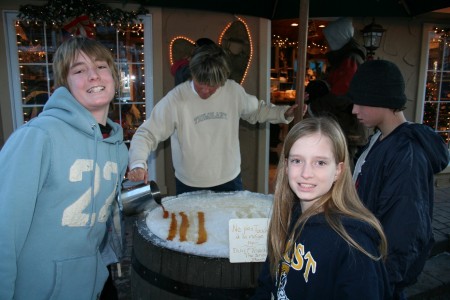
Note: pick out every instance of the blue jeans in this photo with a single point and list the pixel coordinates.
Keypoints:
(230, 186)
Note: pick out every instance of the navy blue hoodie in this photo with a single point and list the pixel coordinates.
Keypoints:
(325, 266)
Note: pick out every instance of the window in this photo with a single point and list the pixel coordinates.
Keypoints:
(32, 46)
(436, 109)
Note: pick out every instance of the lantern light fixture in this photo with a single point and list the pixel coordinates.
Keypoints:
(372, 35)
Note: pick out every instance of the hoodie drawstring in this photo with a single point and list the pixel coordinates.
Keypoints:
(93, 127)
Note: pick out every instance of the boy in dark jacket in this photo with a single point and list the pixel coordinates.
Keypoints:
(394, 175)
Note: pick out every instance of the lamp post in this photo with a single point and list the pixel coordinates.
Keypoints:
(372, 35)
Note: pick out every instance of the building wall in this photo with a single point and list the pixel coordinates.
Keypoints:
(401, 44)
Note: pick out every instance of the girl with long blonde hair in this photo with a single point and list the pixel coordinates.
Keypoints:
(322, 242)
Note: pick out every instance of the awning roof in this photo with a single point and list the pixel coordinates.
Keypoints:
(289, 9)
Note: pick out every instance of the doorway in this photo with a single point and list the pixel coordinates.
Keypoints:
(283, 75)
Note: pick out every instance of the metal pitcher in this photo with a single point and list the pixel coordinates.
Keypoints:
(137, 196)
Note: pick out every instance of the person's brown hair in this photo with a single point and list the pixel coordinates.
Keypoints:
(68, 51)
(209, 65)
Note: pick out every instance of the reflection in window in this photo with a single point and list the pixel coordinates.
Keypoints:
(37, 44)
(437, 90)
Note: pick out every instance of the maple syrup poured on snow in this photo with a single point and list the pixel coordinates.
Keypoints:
(173, 229)
(202, 235)
(165, 212)
(183, 227)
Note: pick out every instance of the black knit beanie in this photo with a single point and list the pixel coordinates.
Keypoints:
(378, 83)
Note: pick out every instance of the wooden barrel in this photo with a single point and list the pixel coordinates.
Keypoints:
(162, 273)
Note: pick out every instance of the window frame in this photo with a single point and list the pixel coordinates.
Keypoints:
(13, 69)
(13, 66)
(423, 72)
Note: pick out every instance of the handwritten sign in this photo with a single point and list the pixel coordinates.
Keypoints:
(248, 239)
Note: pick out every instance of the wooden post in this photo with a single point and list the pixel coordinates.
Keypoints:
(301, 58)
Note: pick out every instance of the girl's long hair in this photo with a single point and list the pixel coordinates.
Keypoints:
(341, 200)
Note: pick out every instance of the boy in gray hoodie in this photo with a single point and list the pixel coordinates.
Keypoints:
(60, 175)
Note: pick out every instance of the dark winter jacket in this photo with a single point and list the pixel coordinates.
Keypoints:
(396, 183)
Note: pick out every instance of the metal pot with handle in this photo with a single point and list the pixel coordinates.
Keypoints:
(138, 197)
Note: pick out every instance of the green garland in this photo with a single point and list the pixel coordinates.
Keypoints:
(58, 12)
